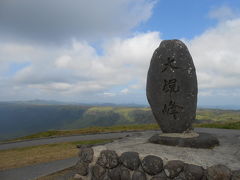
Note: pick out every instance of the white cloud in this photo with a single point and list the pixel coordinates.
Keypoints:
(222, 13)
(108, 94)
(216, 55)
(125, 91)
(78, 70)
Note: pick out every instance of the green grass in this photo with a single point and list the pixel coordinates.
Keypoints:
(226, 125)
(19, 157)
(218, 115)
(90, 130)
(93, 130)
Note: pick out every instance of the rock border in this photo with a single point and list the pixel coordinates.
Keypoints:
(129, 166)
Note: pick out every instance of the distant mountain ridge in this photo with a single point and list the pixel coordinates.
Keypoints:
(53, 102)
(23, 118)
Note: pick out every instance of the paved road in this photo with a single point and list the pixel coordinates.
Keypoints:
(63, 139)
(32, 172)
(115, 135)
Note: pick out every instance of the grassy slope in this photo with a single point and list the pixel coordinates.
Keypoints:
(218, 115)
(92, 130)
(20, 157)
(109, 116)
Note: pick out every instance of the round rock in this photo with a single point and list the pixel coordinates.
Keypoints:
(173, 168)
(115, 173)
(139, 175)
(125, 174)
(193, 172)
(82, 168)
(236, 175)
(172, 87)
(181, 176)
(86, 154)
(217, 172)
(161, 176)
(98, 171)
(152, 164)
(130, 160)
(108, 159)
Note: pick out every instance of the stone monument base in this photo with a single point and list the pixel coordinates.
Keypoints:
(192, 139)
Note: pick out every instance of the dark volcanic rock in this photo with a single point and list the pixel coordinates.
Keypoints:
(82, 168)
(204, 140)
(181, 176)
(98, 172)
(172, 87)
(193, 172)
(130, 160)
(86, 154)
(115, 173)
(236, 175)
(161, 176)
(139, 175)
(125, 174)
(105, 177)
(217, 172)
(119, 173)
(173, 168)
(108, 159)
(152, 164)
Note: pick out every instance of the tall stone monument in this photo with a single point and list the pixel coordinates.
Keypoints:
(172, 94)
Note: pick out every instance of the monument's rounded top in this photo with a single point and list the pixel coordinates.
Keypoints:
(172, 43)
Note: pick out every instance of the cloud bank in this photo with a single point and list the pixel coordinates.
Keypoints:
(76, 71)
(62, 20)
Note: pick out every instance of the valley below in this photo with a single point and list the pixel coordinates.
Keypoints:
(22, 119)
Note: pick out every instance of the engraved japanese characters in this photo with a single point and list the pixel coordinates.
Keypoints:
(172, 87)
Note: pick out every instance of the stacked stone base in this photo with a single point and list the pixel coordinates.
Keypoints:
(129, 166)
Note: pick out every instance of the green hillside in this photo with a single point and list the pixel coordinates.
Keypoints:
(23, 119)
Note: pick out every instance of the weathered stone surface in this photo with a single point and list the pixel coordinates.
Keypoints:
(82, 168)
(77, 177)
(172, 87)
(139, 175)
(173, 168)
(98, 171)
(202, 141)
(86, 154)
(125, 174)
(115, 173)
(152, 164)
(161, 176)
(130, 160)
(193, 172)
(119, 173)
(236, 175)
(105, 177)
(108, 159)
(181, 176)
(217, 172)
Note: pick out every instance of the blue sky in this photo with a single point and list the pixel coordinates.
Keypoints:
(185, 18)
(91, 51)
